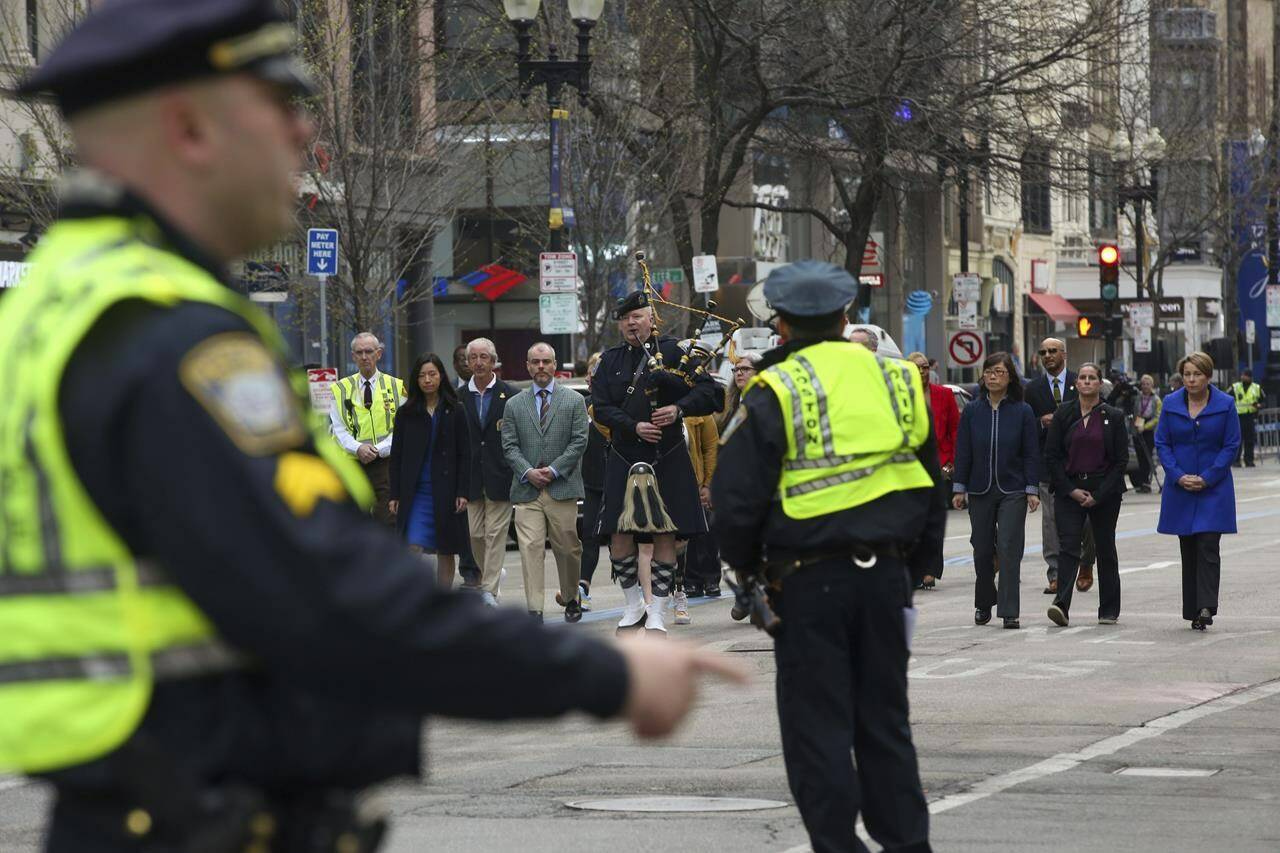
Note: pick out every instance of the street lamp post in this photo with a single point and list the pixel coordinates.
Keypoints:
(554, 73)
(1139, 195)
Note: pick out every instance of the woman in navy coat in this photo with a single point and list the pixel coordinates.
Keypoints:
(430, 466)
(1197, 439)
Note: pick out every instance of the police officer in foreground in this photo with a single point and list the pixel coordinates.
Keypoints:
(825, 482)
(205, 642)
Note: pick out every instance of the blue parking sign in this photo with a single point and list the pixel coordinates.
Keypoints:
(322, 251)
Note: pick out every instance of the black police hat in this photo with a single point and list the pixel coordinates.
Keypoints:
(131, 46)
(629, 303)
(809, 289)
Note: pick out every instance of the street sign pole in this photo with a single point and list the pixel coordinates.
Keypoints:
(324, 321)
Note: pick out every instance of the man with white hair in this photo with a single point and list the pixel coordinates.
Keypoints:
(866, 337)
(362, 416)
(489, 509)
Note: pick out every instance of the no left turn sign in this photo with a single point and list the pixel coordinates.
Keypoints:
(965, 348)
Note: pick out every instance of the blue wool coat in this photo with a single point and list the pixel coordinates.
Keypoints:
(1205, 447)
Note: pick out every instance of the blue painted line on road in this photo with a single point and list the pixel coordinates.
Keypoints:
(616, 612)
(1128, 534)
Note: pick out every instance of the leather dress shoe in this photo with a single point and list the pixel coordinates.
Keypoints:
(981, 617)
(1052, 588)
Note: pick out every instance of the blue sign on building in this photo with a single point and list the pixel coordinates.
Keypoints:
(322, 251)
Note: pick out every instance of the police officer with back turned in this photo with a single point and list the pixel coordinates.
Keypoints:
(205, 642)
(826, 479)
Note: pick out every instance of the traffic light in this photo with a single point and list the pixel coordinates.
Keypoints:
(1109, 272)
(1088, 327)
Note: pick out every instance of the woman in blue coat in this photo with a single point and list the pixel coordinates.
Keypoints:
(1197, 440)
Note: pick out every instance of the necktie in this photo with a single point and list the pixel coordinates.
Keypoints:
(543, 408)
(368, 394)
(1057, 392)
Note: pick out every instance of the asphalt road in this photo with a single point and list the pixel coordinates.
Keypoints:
(1038, 739)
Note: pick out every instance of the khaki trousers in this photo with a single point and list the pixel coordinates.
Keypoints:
(541, 519)
(488, 521)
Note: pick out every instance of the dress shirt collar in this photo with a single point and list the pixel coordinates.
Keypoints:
(471, 384)
(551, 387)
(1061, 377)
(372, 380)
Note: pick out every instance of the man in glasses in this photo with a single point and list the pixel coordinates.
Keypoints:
(1045, 394)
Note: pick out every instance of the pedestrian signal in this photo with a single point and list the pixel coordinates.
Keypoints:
(1088, 327)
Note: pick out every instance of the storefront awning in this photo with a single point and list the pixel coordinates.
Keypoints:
(1055, 306)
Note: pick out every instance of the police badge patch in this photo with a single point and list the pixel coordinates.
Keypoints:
(240, 384)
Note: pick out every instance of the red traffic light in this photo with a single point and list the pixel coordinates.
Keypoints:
(1108, 255)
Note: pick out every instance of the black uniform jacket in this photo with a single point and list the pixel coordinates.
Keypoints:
(354, 642)
(490, 473)
(750, 524)
(450, 449)
(619, 411)
(1115, 438)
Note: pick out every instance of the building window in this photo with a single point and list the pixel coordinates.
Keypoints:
(1102, 195)
(473, 48)
(385, 71)
(33, 28)
(1037, 199)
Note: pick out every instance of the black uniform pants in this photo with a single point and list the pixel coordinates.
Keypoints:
(592, 498)
(842, 685)
(1071, 519)
(1201, 573)
(1248, 437)
(1144, 446)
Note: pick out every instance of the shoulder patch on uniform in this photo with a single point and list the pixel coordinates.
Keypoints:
(738, 419)
(303, 479)
(239, 383)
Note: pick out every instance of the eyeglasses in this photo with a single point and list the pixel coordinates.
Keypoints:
(744, 370)
(995, 371)
(1050, 351)
(364, 352)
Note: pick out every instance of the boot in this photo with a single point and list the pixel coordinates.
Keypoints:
(633, 613)
(656, 615)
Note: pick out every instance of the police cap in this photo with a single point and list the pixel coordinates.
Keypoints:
(130, 46)
(629, 303)
(809, 289)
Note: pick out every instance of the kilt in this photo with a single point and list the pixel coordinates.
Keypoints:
(676, 484)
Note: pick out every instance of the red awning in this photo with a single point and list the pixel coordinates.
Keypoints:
(1055, 306)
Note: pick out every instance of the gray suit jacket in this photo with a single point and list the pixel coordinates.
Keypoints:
(560, 445)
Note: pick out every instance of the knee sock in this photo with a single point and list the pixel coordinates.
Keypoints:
(663, 578)
(626, 570)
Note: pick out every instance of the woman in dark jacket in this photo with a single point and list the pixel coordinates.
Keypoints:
(1198, 437)
(430, 462)
(1087, 451)
(997, 475)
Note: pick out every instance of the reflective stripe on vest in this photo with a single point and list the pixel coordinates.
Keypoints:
(846, 444)
(1246, 400)
(85, 627)
(372, 429)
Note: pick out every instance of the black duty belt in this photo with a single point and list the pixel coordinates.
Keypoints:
(863, 556)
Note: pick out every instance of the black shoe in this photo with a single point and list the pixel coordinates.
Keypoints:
(1205, 618)
(1058, 616)
(981, 617)
(573, 611)
(711, 591)
(694, 591)
(1248, 465)
(536, 614)
(1012, 623)
(738, 614)
(1143, 490)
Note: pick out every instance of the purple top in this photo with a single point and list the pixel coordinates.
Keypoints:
(1086, 450)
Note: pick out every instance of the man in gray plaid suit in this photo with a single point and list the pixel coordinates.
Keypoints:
(544, 433)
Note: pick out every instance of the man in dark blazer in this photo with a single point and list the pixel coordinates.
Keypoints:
(489, 498)
(1045, 393)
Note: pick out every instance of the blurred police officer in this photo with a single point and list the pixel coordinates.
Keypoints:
(826, 477)
(202, 636)
(1248, 396)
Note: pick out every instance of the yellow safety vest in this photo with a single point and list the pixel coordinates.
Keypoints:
(853, 423)
(85, 627)
(368, 425)
(1246, 400)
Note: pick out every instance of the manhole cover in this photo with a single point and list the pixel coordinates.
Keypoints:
(676, 804)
